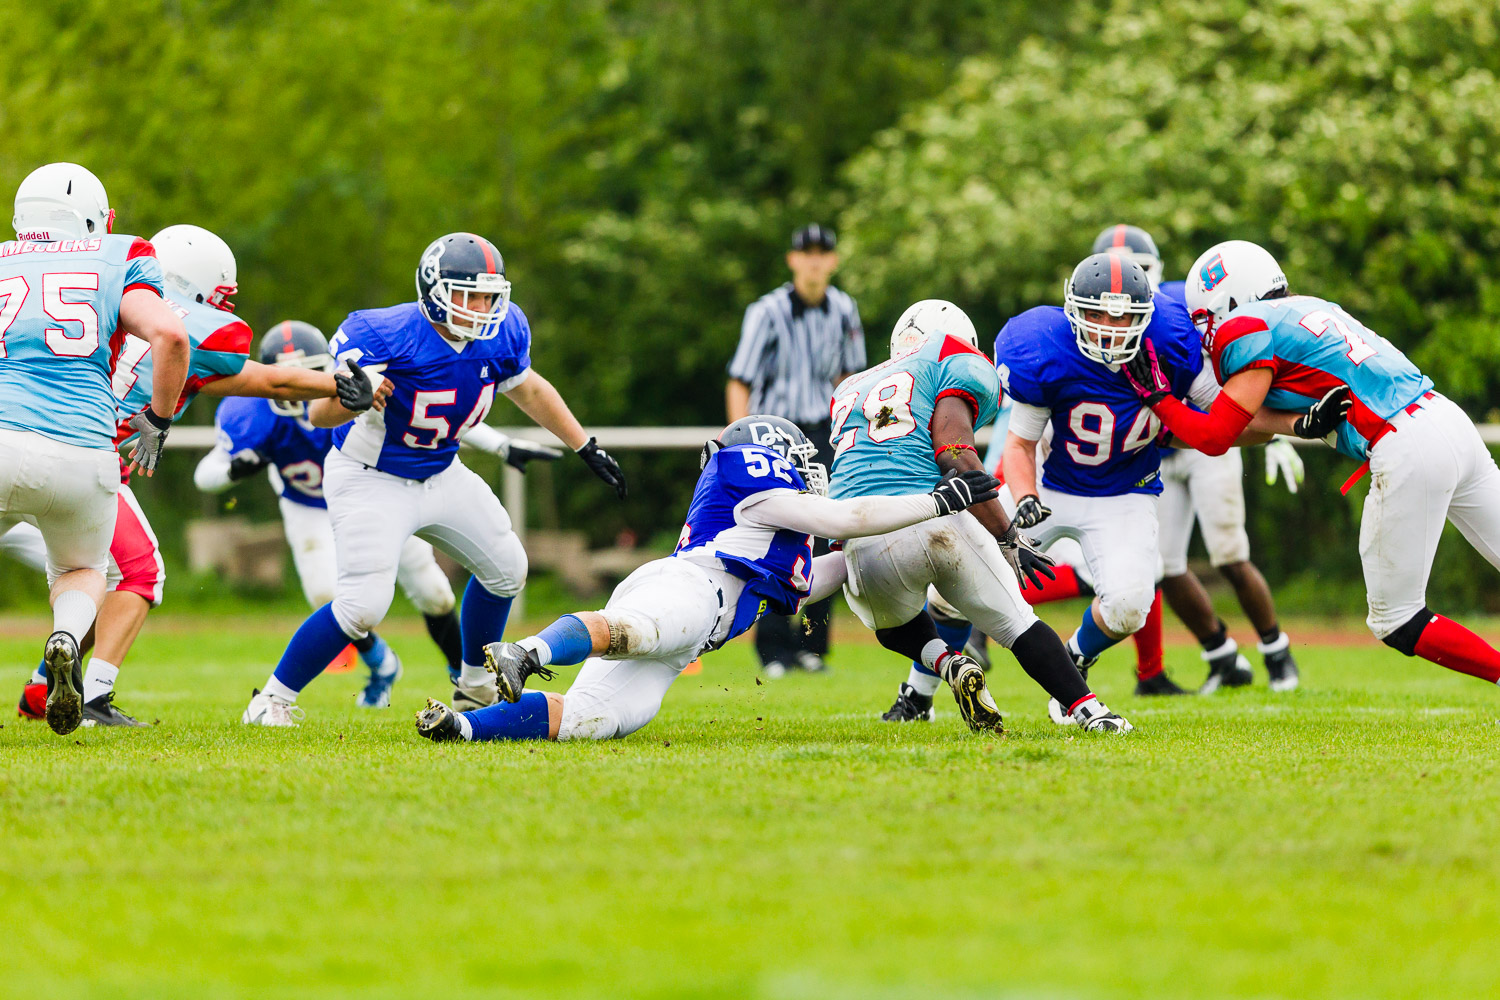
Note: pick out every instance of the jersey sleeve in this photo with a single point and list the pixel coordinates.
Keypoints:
(1017, 367)
(517, 364)
(1242, 343)
(242, 424)
(969, 376)
(358, 340)
(142, 270)
(222, 353)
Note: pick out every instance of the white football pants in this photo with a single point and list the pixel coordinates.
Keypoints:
(373, 514)
(1210, 489)
(669, 611)
(1432, 467)
(135, 563)
(67, 491)
(1118, 536)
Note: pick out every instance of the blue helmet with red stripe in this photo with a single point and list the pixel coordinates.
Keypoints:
(1108, 302)
(295, 344)
(1135, 243)
(461, 286)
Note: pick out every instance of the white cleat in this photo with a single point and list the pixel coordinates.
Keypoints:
(267, 710)
(1058, 714)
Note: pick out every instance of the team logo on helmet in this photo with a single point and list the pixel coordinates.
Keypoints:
(432, 263)
(1213, 272)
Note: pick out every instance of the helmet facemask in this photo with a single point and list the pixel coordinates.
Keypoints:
(803, 456)
(451, 305)
(1101, 342)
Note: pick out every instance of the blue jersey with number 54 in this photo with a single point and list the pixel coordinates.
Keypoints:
(776, 564)
(438, 388)
(882, 437)
(1103, 437)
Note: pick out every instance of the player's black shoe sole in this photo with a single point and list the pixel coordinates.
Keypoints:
(102, 712)
(438, 722)
(910, 706)
(1161, 684)
(512, 664)
(975, 703)
(64, 683)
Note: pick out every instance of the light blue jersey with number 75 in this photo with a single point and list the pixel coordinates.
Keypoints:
(881, 417)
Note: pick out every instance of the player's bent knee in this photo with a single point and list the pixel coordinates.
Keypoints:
(506, 576)
(357, 618)
(1404, 636)
(632, 635)
(587, 718)
(1125, 612)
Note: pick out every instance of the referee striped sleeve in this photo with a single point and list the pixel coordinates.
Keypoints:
(748, 363)
(854, 337)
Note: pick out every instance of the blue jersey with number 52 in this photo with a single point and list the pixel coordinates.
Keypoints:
(882, 439)
(438, 388)
(294, 448)
(775, 563)
(1103, 437)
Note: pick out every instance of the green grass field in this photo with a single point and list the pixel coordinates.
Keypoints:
(768, 840)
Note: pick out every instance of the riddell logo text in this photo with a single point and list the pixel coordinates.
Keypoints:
(36, 234)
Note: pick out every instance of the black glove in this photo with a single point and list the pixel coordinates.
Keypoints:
(517, 453)
(1326, 414)
(153, 438)
(1145, 376)
(1029, 562)
(356, 391)
(603, 466)
(1030, 512)
(964, 489)
(246, 463)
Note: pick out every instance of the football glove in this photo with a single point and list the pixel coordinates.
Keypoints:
(153, 438)
(603, 465)
(246, 463)
(1282, 460)
(1145, 375)
(517, 453)
(1030, 512)
(1028, 562)
(1326, 414)
(355, 390)
(964, 489)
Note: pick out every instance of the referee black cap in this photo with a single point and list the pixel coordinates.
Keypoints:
(814, 237)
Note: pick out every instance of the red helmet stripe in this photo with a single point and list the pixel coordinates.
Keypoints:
(489, 258)
(1116, 275)
(286, 334)
(1120, 232)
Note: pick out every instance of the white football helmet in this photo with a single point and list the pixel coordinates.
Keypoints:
(1227, 276)
(61, 201)
(197, 265)
(929, 317)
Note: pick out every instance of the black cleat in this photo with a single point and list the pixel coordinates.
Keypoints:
(102, 712)
(438, 722)
(1159, 684)
(1231, 670)
(64, 683)
(1283, 670)
(975, 703)
(910, 706)
(512, 664)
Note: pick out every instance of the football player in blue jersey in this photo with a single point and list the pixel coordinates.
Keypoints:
(394, 474)
(275, 436)
(1101, 479)
(745, 550)
(897, 429)
(70, 291)
(1208, 489)
(1298, 364)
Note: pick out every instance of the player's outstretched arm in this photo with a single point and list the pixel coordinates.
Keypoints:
(515, 451)
(287, 382)
(144, 314)
(356, 393)
(810, 514)
(541, 402)
(1228, 420)
(218, 470)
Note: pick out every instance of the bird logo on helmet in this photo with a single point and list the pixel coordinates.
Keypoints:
(1103, 289)
(922, 320)
(295, 344)
(781, 436)
(1226, 276)
(461, 286)
(1135, 243)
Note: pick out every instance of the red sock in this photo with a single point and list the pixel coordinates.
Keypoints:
(1065, 586)
(1148, 644)
(1448, 644)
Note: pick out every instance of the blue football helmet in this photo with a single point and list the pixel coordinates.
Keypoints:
(781, 436)
(461, 286)
(295, 344)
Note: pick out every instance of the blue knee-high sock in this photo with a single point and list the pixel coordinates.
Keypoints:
(481, 620)
(312, 648)
(955, 634)
(372, 650)
(523, 720)
(569, 640)
(1090, 638)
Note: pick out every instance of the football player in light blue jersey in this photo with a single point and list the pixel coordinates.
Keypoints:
(746, 549)
(394, 474)
(898, 428)
(69, 293)
(1302, 365)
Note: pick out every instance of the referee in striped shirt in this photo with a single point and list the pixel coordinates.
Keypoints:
(796, 344)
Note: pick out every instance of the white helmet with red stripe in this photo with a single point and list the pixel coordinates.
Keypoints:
(928, 317)
(1229, 275)
(61, 201)
(461, 286)
(197, 265)
(1108, 302)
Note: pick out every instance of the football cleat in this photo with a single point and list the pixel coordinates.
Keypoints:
(102, 712)
(774, 670)
(1095, 718)
(1283, 670)
(377, 691)
(512, 664)
(1055, 711)
(33, 701)
(911, 706)
(975, 703)
(438, 722)
(64, 683)
(268, 710)
(1158, 685)
(1228, 670)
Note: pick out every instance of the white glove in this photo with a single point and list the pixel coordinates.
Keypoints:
(1282, 460)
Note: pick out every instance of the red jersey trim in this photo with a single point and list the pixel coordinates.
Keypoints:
(142, 284)
(140, 248)
(231, 338)
(952, 346)
(1231, 330)
(966, 396)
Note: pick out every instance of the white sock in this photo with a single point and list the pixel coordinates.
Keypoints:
(1282, 642)
(37, 677)
(1074, 648)
(73, 612)
(99, 679)
(1229, 646)
(539, 645)
(474, 676)
(924, 683)
(931, 652)
(465, 726)
(279, 691)
(1086, 708)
